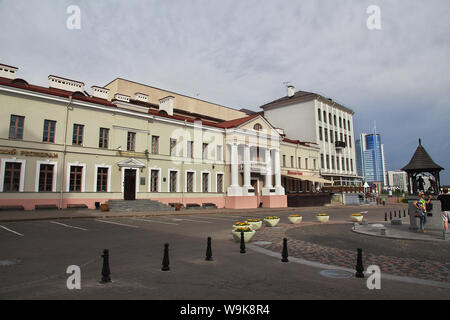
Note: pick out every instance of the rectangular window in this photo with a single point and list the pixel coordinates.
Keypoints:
(329, 118)
(315, 164)
(322, 162)
(205, 151)
(331, 136)
(76, 175)
(173, 181)
(190, 182)
(345, 125)
(154, 180)
(77, 137)
(49, 131)
(332, 163)
(319, 114)
(46, 177)
(348, 125)
(205, 181)
(335, 136)
(189, 149)
(343, 163)
(340, 122)
(349, 141)
(103, 138)
(337, 163)
(345, 139)
(320, 134)
(284, 160)
(102, 179)
(326, 135)
(220, 183)
(346, 160)
(155, 144)
(328, 162)
(342, 138)
(299, 162)
(351, 165)
(12, 176)
(16, 127)
(292, 161)
(306, 163)
(324, 116)
(131, 141)
(173, 146)
(334, 118)
(219, 155)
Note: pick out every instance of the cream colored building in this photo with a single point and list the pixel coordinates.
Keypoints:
(61, 146)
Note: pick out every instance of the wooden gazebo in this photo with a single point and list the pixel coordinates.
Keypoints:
(421, 162)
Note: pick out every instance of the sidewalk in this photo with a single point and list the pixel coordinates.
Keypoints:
(51, 214)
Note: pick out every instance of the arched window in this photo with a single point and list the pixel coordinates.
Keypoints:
(257, 127)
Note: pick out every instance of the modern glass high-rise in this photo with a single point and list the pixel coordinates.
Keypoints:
(370, 158)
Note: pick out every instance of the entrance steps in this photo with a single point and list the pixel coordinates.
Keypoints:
(141, 205)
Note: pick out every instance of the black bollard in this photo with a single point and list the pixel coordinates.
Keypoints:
(208, 250)
(359, 265)
(242, 243)
(385, 216)
(105, 270)
(390, 215)
(165, 263)
(284, 254)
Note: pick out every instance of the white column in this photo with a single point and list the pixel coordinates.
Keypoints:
(268, 177)
(277, 170)
(234, 166)
(234, 189)
(247, 167)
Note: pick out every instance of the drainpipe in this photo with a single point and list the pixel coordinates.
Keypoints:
(61, 184)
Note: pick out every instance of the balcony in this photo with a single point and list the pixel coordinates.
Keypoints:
(339, 145)
(256, 167)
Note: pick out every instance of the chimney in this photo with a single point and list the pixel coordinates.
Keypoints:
(65, 84)
(100, 92)
(166, 104)
(8, 72)
(290, 91)
(122, 97)
(141, 97)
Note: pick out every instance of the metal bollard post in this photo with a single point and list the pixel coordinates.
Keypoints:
(208, 250)
(105, 270)
(390, 215)
(242, 243)
(165, 262)
(385, 216)
(359, 265)
(284, 254)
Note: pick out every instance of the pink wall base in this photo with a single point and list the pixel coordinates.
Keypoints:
(241, 202)
(30, 204)
(274, 201)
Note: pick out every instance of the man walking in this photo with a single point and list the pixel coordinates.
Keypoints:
(421, 209)
(445, 207)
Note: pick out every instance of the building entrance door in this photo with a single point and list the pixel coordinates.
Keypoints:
(255, 185)
(129, 185)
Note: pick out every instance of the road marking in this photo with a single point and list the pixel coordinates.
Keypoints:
(68, 226)
(19, 234)
(183, 219)
(223, 219)
(119, 224)
(148, 220)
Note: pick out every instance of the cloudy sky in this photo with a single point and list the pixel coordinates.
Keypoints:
(239, 54)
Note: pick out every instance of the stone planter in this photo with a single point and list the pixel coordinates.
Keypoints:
(271, 222)
(323, 218)
(295, 220)
(247, 236)
(104, 207)
(255, 225)
(356, 218)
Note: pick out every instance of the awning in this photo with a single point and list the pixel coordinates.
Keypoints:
(307, 178)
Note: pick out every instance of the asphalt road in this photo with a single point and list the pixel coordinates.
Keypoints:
(39, 253)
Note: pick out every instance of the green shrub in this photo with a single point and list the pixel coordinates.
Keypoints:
(404, 200)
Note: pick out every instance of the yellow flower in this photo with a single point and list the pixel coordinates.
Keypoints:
(322, 214)
(295, 215)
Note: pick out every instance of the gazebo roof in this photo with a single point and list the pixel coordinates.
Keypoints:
(421, 161)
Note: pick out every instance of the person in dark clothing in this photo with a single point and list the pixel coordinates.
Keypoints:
(445, 207)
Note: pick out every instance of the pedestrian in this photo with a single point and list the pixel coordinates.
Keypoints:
(421, 209)
(384, 201)
(445, 207)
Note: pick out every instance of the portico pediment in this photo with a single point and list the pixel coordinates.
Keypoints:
(131, 163)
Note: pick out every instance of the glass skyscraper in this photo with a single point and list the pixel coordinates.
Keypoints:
(370, 158)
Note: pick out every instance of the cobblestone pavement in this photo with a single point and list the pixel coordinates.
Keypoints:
(429, 261)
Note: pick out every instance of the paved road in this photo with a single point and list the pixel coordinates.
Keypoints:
(40, 251)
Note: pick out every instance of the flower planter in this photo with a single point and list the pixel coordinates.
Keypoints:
(323, 218)
(247, 235)
(255, 225)
(271, 222)
(356, 218)
(104, 207)
(248, 226)
(295, 220)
